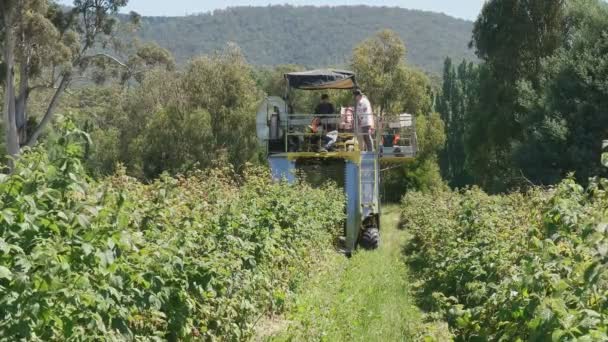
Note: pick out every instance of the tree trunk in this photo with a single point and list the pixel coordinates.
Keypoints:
(49, 111)
(21, 103)
(12, 140)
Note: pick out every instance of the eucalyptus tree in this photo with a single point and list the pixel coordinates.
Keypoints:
(46, 46)
(380, 63)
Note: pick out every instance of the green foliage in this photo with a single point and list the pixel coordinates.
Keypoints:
(532, 112)
(190, 137)
(188, 258)
(419, 175)
(489, 133)
(379, 65)
(272, 79)
(139, 60)
(46, 47)
(222, 84)
(423, 173)
(309, 36)
(515, 267)
(512, 38)
(173, 120)
(430, 131)
(391, 85)
(455, 101)
(567, 120)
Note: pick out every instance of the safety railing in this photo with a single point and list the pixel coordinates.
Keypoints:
(318, 133)
(397, 137)
(344, 132)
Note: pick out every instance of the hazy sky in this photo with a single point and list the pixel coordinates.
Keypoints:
(467, 9)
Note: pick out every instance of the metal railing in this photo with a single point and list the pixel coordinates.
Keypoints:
(327, 134)
(343, 133)
(398, 137)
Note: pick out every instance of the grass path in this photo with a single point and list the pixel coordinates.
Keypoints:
(365, 298)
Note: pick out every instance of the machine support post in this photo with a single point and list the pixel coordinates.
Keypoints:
(353, 219)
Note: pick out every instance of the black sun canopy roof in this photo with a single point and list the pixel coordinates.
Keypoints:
(321, 79)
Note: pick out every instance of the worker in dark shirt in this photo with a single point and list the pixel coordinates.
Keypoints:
(326, 108)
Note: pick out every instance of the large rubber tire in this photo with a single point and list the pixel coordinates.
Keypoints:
(370, 238)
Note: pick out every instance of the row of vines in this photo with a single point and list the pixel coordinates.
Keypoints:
(518, 267)
(201, 257)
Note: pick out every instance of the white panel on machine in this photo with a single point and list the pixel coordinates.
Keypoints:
(271, 113)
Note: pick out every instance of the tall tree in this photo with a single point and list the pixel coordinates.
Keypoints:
(455, 100)
(176, 120)
(9, 8)
(512, 37)
(223, 85)
(568, 118)
(444, 106)
(45, 47)
(380, 64)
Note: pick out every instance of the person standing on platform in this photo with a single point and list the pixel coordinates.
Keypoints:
(366, 119)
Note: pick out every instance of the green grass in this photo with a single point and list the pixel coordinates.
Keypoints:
(365, 298)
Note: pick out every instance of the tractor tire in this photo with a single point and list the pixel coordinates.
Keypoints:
(370, 238)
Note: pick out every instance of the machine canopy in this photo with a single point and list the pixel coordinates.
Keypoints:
(322, 79)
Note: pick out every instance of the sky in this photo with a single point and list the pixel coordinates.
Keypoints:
(464, 9)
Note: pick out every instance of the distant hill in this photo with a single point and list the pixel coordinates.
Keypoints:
(310, 36)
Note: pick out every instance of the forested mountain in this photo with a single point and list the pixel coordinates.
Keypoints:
(311, 36)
